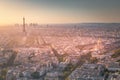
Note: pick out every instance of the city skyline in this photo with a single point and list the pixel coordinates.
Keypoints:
(59, 11)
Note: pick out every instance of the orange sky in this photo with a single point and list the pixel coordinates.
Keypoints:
(44, 12)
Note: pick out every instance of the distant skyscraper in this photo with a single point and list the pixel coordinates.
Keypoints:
(24, 25)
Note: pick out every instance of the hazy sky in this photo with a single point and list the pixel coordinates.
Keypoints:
(59, 11)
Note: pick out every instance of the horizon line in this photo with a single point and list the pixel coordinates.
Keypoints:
(63, 23)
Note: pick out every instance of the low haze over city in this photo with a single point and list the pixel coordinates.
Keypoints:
(59, 40)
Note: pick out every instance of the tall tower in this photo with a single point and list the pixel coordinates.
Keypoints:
(24, 30)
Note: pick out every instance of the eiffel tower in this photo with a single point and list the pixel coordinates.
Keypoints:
(24, 29)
